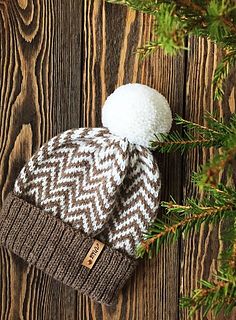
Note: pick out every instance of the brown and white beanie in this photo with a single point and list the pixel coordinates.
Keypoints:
(81, 204)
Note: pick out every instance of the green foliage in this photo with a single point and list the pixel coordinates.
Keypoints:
(216, 21)
(216, 26)
(218, 204)
(222, 72)
(213, 134)
(219, 294)
(173, 20)
(216, 133)
(167, 25)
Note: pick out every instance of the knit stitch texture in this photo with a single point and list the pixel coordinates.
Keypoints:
(95, 181)
(84, 184)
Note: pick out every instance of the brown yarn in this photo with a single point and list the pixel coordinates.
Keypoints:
(59, 250)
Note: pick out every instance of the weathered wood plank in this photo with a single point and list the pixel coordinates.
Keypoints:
(40, 92)
(200, 251)
(112, 34)
(58, 62)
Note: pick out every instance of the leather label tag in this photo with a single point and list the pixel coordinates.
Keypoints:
(93, 254)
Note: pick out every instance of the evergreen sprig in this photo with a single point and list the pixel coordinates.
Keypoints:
(222, 72)
(217, 197)
(218, 204)
(216, 21)
(173, 20)
(216, 133)
(219, 294)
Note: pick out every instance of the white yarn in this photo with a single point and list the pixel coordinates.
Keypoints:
(137, 112)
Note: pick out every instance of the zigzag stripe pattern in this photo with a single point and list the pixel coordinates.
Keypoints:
(97, 182)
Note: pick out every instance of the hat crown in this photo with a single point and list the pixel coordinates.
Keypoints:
(99, 183)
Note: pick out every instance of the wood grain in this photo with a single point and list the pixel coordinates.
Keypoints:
(112, 34)
(200, 251)
(40, 96)
(58, 62)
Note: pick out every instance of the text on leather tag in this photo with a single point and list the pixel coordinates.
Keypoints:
(93, 254)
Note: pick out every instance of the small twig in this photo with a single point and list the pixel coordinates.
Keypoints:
(165, 143)
(172, 229)
(187, 3)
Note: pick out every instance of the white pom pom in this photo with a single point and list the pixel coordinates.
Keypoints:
(136, 112)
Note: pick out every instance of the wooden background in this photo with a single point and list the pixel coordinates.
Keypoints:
(58, 62)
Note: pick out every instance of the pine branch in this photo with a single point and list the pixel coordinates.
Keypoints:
(216, 134)
(200, 128)
(150, 7)
(180, 219)
(222, 72)
(210, 171)
(189, 12)
(216, 296)
(219, 134)
(228, 256)
(153, 6)
(173, 142)
(218, 203)
(174, 20)
(225, 160)
(216, 21)
(170, 29)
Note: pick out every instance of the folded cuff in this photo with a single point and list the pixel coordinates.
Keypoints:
(59, 250)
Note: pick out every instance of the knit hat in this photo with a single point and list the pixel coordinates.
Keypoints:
(81, 204)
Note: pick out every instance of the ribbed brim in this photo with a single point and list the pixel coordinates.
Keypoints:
(59, 250)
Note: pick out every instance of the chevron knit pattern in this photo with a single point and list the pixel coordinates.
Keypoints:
(98, 183)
